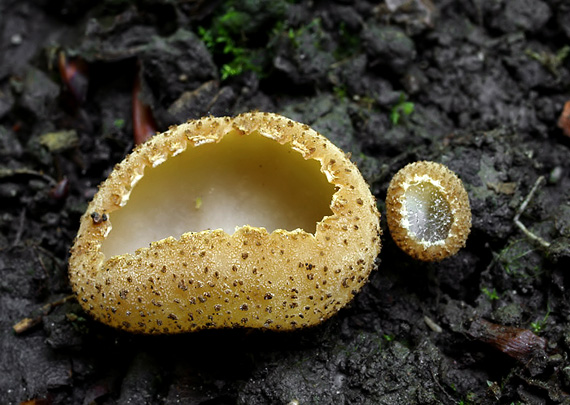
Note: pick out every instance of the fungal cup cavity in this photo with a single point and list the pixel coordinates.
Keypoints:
(427, 213)
(240, 180)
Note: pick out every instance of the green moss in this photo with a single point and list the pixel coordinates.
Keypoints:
(312, 29)
(539, 325)
(220, 42)
(551, 61)
(401, 110)
(233, 35)
(519, 259)
(78, 322)
(119, 123)
(340, 92)
(348, 43)
(490, 294)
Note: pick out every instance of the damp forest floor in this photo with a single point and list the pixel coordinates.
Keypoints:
(477, 85)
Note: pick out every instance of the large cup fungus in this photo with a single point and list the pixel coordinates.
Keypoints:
(254, 221)
(428, 212)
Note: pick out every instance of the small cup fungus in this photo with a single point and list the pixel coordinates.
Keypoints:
(428, 212)
(254, 221)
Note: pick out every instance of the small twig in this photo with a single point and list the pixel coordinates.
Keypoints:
(436, 381)
(28, 323)
(20, 230)
(520, 211)
(41, 262)
(49, 253)
(5, 172)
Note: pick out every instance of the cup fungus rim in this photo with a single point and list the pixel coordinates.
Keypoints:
(155, 161)
(451, 188)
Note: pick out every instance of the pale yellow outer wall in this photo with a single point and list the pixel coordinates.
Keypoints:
(281, 280)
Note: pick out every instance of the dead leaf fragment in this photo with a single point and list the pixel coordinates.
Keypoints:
(564, 120)
(503, 188)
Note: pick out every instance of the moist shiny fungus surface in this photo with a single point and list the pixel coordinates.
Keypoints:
(254, 221)
(428, 212)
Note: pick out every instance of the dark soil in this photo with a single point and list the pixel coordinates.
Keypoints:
(486, 80)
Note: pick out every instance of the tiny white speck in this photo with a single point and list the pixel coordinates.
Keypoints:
(16, 39)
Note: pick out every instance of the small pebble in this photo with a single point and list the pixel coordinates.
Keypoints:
(16, 39)
(555, 175)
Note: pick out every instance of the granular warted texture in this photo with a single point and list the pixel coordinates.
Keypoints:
(428, 212)
(211, 278)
